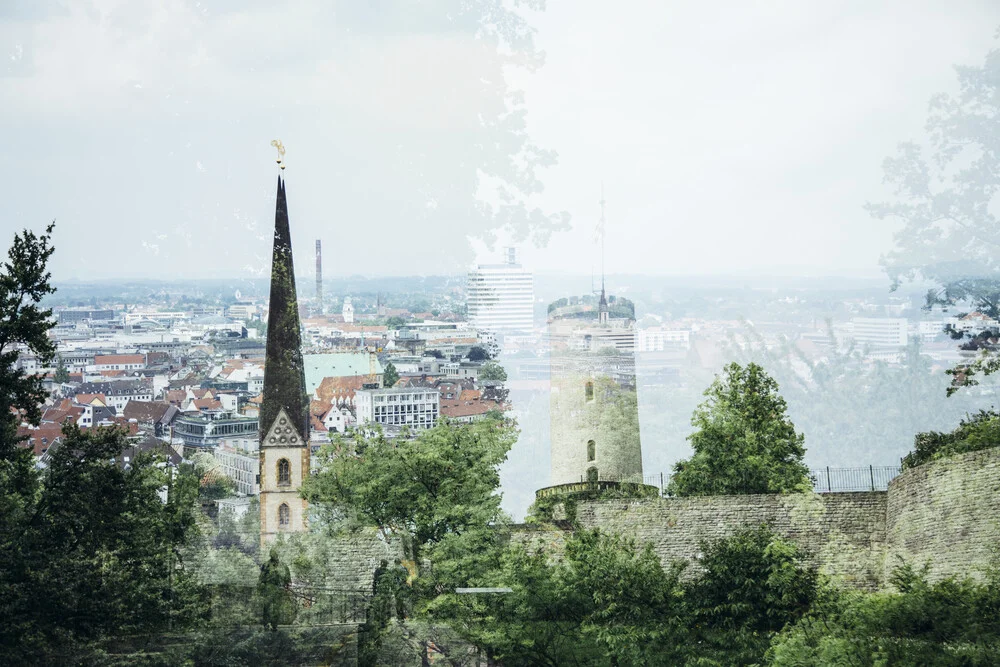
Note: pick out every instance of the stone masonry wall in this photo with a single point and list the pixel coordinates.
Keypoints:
(946, 514)
(843, 533)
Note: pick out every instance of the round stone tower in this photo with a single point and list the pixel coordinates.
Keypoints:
(593, 407)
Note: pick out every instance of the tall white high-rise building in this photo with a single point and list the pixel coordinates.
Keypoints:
(501, 296)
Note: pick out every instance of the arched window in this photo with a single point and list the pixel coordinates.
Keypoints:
(591, 450)
(284, 472)
(588, 390)
(591, 474)
(284, 515)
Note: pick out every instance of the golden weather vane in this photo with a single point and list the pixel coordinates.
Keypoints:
(281, 151)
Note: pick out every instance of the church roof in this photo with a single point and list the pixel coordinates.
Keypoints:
(284, 379)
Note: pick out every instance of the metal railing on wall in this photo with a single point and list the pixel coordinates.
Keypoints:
(825, 480)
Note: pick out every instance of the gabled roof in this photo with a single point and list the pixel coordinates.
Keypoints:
(147, 411)
(341, 388)
(91, 399)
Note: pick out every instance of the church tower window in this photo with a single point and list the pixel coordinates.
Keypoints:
(591, 474)
(591, 450)
(284, 472)
(284, 515)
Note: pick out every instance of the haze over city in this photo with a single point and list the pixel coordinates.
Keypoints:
(722, 149)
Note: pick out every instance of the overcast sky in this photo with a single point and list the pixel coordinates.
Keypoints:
(731, 137)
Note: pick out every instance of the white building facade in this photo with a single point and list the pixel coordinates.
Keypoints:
(415, 407)
(501, 296)
(879, 331)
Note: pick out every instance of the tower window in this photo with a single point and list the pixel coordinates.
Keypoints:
(592, 474)
(284, 472)
(591, 450)
(284, 515)
(588, 390)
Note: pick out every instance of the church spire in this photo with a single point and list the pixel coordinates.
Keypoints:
(602, 307)
(284, 373)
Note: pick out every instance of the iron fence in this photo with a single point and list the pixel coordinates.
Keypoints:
(845, 480)
(825, 480)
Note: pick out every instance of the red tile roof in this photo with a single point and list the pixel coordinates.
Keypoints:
(119, 359)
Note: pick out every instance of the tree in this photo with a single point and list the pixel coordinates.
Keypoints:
(888, 402)
(950, 234)
(745, 443)
(62, 373)
(97, 554)
(607, 601)
(389, 375)
(753, 585)
(89, 549)
(950, 623)
(395, 322)
(979, 431)
(434, 496)
(24, 282)
(419, 490)
(272, 588)
(477, 353)
(492, 377)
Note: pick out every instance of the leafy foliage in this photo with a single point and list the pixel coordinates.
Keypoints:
(887, 402)
(945, 200)
(420, 490)
(389, 375)
(745, 443)
(492, 377)
(950, 623)
(24, 282)
(477, 353)
(96, 552)
(753, 585)
(980, 431)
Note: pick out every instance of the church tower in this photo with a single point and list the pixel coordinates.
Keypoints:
(284, 411)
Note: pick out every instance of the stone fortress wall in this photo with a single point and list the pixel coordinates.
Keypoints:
(945, 513)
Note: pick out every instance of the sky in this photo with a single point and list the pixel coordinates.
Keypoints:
(731, 138)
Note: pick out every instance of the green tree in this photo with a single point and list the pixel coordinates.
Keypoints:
(492, 377)
(606, 602)
(888, 403)
(273, 584)
(946, 202)
(744, 442)
(419, 490)
(951, 623)
(62, 373)
(395, 322)
(24, 282)
(477, 353)
(753, 585)
(979, 431)
(98, 555)
(389, 375)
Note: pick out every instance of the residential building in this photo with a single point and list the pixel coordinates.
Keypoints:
(119, 392)
(500, 297)
(394, 408)
(240, 465)
(119, 362)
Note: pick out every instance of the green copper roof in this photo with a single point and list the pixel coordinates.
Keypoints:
(336, 364)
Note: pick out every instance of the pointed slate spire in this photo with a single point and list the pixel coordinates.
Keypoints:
(284, 372)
